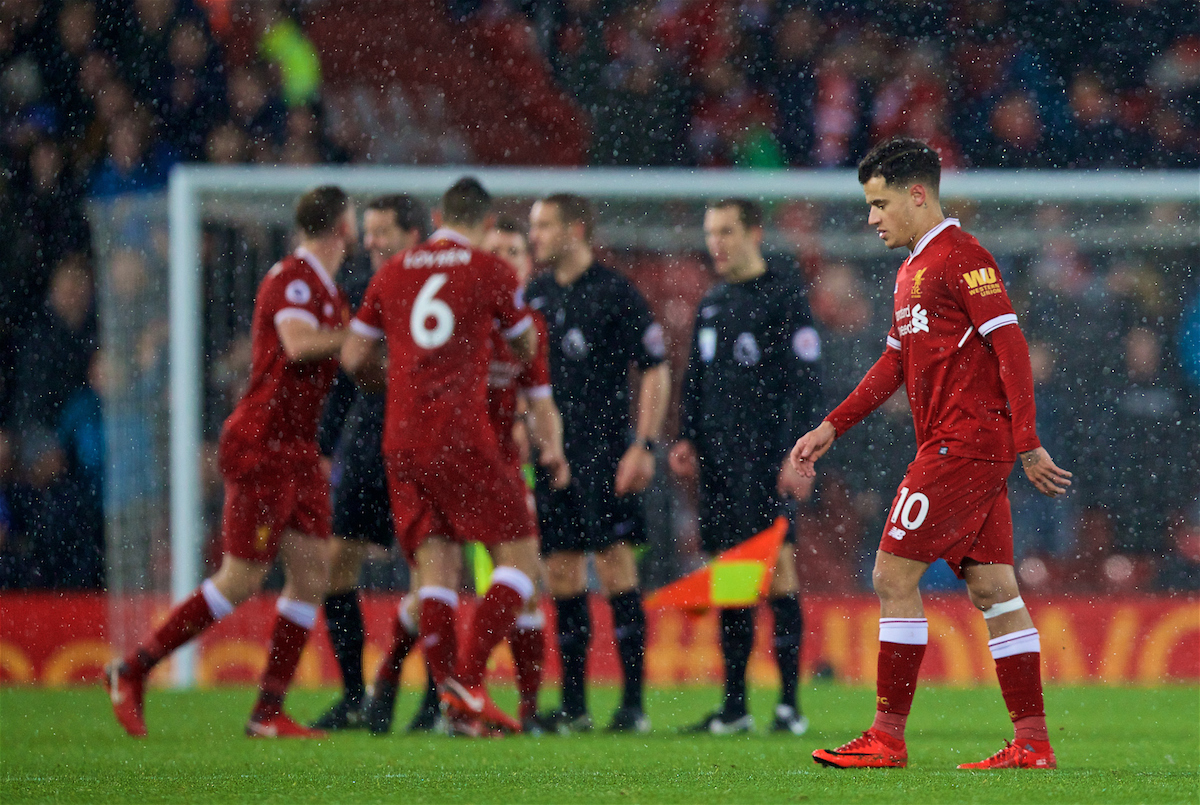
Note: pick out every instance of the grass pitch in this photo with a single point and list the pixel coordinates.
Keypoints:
(1114, 745)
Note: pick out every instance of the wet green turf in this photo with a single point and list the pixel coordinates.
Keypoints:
(1114, 745)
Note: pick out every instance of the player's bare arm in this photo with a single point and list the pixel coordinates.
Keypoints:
(302, 341)
(545, 428)
(636, 468)
(683, 460)
(524, 346)
(362, 358)
(1046, 476)
(810, 447)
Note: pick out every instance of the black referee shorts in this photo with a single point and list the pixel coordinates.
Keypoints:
(586, 516)
(736, 506)
(361, 507)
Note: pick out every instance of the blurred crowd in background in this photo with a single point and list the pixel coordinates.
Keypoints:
(102, 97)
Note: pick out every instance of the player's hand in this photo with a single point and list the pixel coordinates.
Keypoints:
(556, 465)
(810, 447)
(683, 460)
(326, 467)
(635, 470)
(1046, 476)
(791, 484)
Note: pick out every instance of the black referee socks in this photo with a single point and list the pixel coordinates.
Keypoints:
(345, 621)
(789, 629)
(629, 626)
(574, 635)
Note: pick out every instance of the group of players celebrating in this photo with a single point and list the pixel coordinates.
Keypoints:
(465, 366)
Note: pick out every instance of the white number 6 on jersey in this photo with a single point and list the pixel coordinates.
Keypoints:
(427, 306)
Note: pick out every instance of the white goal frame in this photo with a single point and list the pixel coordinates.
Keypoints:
(188, 183)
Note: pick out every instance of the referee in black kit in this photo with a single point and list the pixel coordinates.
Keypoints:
(362, 513)
(599, 328)
(752, 387)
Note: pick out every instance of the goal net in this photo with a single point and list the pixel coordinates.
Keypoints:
(1087, 257)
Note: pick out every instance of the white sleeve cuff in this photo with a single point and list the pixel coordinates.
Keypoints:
(518, 328)
(893, 343)
(298, 314)
(996, 323)
(359, 327)
(537, 392)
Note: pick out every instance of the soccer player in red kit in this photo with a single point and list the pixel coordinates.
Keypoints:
(955, 346)
(276, 493)
(435, 306)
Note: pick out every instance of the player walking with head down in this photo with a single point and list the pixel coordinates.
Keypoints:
(599, 327)
(435, 306)
(955, 346)
(276, 494)
(361, 512)
(752, 386)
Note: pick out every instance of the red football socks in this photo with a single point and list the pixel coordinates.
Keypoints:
(438, 640)
(896, 683)
(1021, 683)
(493, 620)
(528, 650)
(188, 619)
(402, 643)
(287, 642)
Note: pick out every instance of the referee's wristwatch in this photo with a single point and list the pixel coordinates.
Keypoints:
(649, 444)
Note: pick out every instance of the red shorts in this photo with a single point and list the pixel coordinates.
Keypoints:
(464, 495)
(954, 509)
(263, 501)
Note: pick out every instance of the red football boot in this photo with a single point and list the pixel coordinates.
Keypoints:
(127, 692)
(873, 750)
(280, 726)
(475, 703)
(1025, 754)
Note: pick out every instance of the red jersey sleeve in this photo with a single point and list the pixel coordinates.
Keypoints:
(289, 294)
(510, 308)
(1016, 375)
(368, 322)
(535, 376)
(975, 282)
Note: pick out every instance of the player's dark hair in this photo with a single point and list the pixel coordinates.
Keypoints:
(510, 224)
(410, 212)
(573, 209)
(902, 161)
(466, 203)
(318, 210)
(750, 213)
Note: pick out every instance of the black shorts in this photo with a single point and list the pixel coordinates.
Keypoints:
(736, 506)
(586, 517)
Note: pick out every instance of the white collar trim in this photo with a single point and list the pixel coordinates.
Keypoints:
(933, 233)
(310, 258)
(445, 233)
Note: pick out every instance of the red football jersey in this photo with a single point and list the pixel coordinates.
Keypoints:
(436, 305)
(282, 405)
(507, 376)
(948, 295)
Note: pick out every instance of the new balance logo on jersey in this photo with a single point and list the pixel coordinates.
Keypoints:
(896, 533)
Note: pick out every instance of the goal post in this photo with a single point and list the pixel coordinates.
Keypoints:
(264, 196)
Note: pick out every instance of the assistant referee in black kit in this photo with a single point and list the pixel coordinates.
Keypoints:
(752, 387)
(599, 328)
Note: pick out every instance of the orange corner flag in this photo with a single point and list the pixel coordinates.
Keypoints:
(739, 577)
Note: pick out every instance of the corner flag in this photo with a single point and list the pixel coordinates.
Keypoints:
(738, 577)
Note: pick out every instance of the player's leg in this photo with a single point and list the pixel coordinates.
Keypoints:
(903, 636)
(528, 643)
(617, 568)
(436, 560)
(306, 571)
(784, 600)
(343, 616)
(1016, 648)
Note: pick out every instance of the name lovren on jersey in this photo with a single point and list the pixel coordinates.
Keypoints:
(439, 259)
